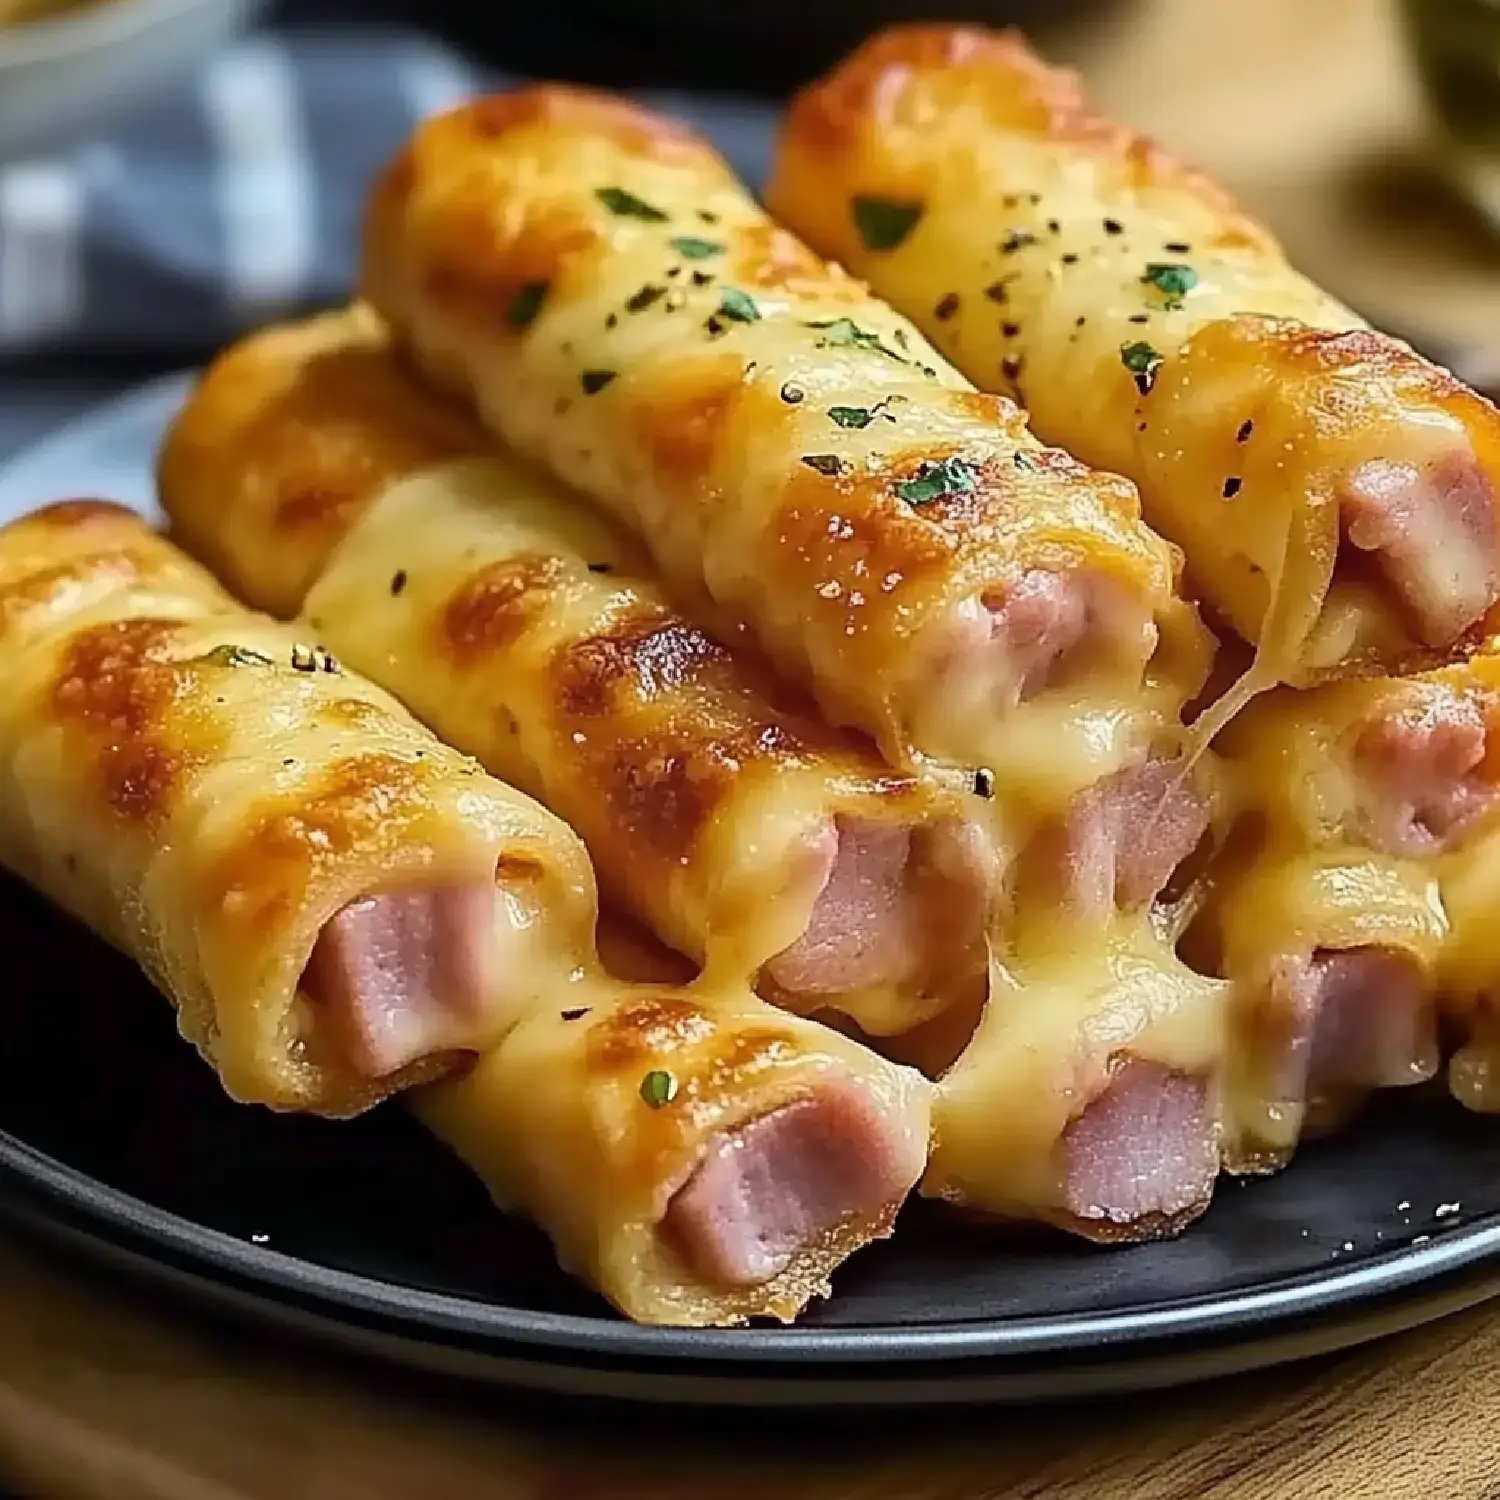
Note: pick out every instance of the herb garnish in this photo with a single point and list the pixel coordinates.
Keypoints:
(883, 223)
(1010, 330)
(1246, 428)
(576, 1014)
(1232, 486)
(845, 332)
(738, 306)
(628, 206)
(793, 395)
(237, 656)
(398, 583)
(1174, 282)
(703, 278)
(601, 567)
(594, 381)
(948, 304)
(1143, 362)
(526, 304)
(690, 247)
(936, 479)
(996, 291)
(984, 782)
(1011, 365)
(1113, 226)
(658, 1088)
(830, 465)
(858, 418)
(1017, 239)
(643, 299)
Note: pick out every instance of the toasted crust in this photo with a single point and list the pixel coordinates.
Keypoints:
(1148, 325)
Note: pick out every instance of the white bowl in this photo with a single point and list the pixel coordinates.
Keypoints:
(63, 78)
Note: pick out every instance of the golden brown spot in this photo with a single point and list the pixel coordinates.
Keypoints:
(514, 868)
(661, 792)
(118, 682)
(498, 604)
(646, 1030)
(684, 417)
(767, 258)
(354, 713)
(748, 1052)
(81, 513)
(35, 591)
(617, 119)
(643, 656)
(363, 802)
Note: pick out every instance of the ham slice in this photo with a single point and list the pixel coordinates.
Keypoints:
(1352, 1020)
(400, 975)
(782, 1183)
(1121, 839)
(1432, 532)
(1423, 777)
(1141, 1160)
(896, 904)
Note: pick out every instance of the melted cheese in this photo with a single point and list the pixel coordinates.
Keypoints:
(205, 791)
(1048, 243)
(758, 418)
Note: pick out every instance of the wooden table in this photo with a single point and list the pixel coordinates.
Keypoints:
(1305, 107)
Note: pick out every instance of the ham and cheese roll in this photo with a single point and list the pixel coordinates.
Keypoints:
(528, 632)
(337, 903)
(697, 1156)
(803, 466)
(1090, 1095)
(1332, 957)
(1383, 785)
(1333, 492)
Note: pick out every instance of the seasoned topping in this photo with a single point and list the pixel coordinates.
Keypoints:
(845, 332)
(1232, 486)
(1017, 239)
(829, 464)
(793, 395)
(398, 583)
(643, 299)
(628, 206)
(237, 656)
(859, 417)
(1143, 362)
(738, 306)
(576, 1014)
(984, 782)
(1113, 226)
(689, 247)
(947, 306)
(658, 1088)
(1246, 428)
(935, 479)
(996, 291)
(883, 223)
(526, 304)
(594, 381)
(1174, 282)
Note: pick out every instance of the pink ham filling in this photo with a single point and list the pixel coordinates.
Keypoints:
(781, 1184)
(1433, 533)
(397, 976)
(1122, 838)
(1358, 1019)
(895, 902)
(1424, 779)
(1145, 1151)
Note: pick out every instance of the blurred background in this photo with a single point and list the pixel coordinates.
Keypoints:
(172, 171)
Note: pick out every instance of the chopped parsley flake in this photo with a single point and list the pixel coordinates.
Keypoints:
(738, 306)
(996, 292)
(1017, 239)
(948, 304)
(1174, 282)
(577, 1014)
(883, 223)
(1232, 486)
(1113, 226)
(627, 206)
(690, 247)
(859, 417)
(1143, 362)
(398, 582)
(526, 304)
(830, 465)
(845, 333)
(237, 656)
(594, 381)
(934, 480)
(658, 1088)
(1246, 428)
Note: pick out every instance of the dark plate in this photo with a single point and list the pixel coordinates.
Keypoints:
(115, 1140)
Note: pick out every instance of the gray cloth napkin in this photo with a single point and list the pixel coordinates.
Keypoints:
(237, 198)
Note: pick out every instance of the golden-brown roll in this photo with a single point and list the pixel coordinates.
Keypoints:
(337, 903)
(1380, 798)
(528, 632)
(804, 467)
(696, 1155)
(1334, 493)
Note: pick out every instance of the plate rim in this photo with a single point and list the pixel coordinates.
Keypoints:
(185, 1246)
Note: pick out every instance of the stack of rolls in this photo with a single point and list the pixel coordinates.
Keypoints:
(1335, 498)
(900, 726)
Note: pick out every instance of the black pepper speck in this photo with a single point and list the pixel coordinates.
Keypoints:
(1232, 486)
